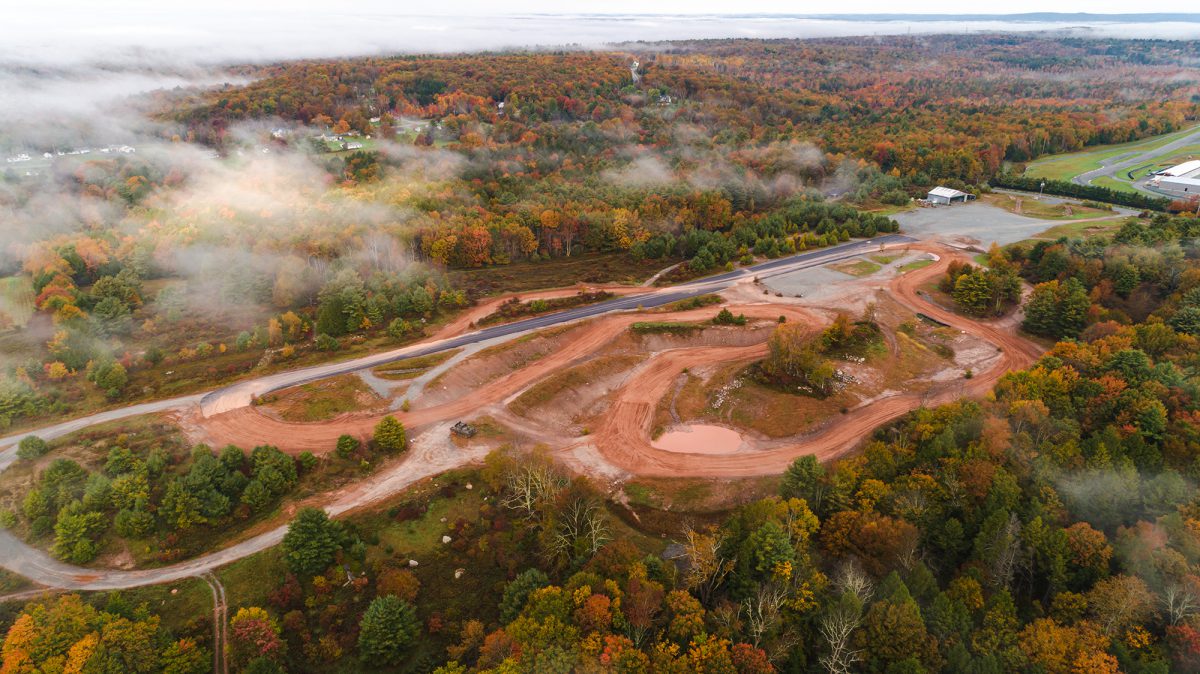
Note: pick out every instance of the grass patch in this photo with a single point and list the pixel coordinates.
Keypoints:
(556, 273)
(250, 580)
(856, 268)
(16, 302)
(321, 400)
(642, 495)
(410, 368)
(514, 308)
(1114, 183)
(1031, 207)
(698, 302)
(664, 328)
(885, 259)
(915, 265)
(1074, 230)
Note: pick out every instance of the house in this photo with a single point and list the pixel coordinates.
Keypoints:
(947, 195)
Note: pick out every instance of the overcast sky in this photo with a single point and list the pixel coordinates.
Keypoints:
(459, 7)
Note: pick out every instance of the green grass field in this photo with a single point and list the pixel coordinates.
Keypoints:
(856, 268)
(16, 301)
(915, 264)
(1067, 166)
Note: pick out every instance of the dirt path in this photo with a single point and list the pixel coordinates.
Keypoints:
(220, 624)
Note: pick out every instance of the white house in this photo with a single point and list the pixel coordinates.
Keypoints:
(946, 195)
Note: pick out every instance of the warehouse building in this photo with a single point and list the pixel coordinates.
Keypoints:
(946, 195)
(1183, 177)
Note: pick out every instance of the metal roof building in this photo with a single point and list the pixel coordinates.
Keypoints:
(1183, 177)
(1180, 169)
(946, 195)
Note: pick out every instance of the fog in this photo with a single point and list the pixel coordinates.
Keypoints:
(68, 64)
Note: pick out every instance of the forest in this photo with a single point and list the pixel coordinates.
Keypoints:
(1051, 527)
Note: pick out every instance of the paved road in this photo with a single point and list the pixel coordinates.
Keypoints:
(41, 568)
(1124, 162)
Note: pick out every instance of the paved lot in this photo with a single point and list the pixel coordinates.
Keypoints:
(974, 222)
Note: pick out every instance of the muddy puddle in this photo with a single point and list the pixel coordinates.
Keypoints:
(699, 439)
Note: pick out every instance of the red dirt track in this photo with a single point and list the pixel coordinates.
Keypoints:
(623, 434)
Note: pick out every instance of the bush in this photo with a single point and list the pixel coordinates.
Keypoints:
(726, 317)
(390, 435)
(325, 342)
(110, 377)
(347, 446)
(895, 198)
(31, 447)
(307, 460)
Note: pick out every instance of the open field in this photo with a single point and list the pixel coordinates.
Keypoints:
(1046, 209)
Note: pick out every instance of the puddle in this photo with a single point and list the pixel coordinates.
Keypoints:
(700, 439)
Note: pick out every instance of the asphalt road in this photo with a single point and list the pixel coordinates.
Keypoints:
(41, 568)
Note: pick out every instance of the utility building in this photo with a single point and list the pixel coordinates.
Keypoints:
(946, 195)
(1183, 177)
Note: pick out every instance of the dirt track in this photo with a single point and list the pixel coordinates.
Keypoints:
(623, 435)
(248, 427)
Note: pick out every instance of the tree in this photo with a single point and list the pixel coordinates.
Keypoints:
(388, 628)
(390, 435)
(256, 496)
(75, 534)
(185, 657)
(110, 377)
(837, 626)
(517, 590)
(254, 634)
(804, 479)
(1057, 309)
(311, 542)
(32, 447)
(347, 445)
(973, 294)
(1119, 603)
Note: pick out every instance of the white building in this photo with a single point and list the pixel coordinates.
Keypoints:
(1183, 177)
(946, 195)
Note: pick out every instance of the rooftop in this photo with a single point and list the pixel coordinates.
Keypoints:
(947, 192)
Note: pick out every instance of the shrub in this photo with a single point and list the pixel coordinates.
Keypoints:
(347, 445)
(31, 447)
(390, 435)
(326, 342)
